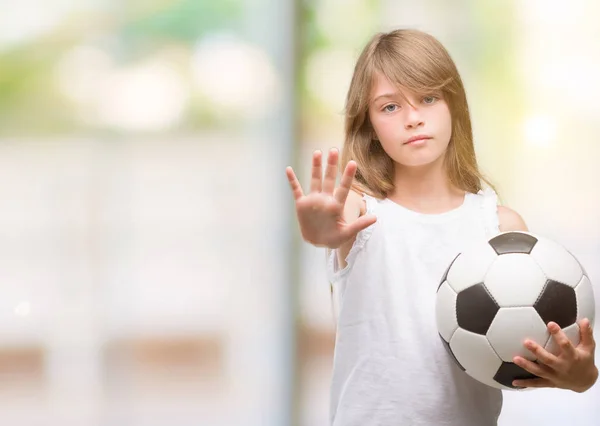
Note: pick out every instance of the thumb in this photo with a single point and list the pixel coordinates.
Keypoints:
(587, 333)
(361, 223)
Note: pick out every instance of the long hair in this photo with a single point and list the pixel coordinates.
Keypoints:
(416, 61)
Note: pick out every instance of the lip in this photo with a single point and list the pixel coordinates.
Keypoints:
(417, 138)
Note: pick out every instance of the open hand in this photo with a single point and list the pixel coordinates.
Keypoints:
(320, 212)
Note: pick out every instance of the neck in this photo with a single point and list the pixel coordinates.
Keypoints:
(425, 189)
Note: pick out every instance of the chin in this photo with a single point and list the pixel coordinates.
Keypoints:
(420, 160)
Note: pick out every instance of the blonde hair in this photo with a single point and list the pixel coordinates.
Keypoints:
(416, 61)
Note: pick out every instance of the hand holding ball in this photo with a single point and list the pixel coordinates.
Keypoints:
(498, 294)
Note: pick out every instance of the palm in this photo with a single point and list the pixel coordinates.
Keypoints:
(320, 212)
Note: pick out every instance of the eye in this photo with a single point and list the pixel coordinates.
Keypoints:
(429, 99)
(387, 108)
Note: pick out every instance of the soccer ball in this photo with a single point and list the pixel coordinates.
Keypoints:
(497, 294)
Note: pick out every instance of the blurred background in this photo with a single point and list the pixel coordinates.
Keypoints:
(150, 267)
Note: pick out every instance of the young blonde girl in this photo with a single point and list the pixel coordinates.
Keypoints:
(409, 200)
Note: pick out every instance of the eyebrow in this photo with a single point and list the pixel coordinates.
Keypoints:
(395, 94)
(386, 95)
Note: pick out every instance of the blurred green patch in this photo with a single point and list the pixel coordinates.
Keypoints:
(31, 102)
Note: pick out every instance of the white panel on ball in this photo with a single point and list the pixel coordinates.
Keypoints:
(446, 311)
(511, 327)
(572, 333)
(474, 353)
(556, 262)
(471, 267)
(515, 280)
(586, 305)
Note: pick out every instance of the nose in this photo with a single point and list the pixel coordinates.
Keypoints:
(413, 118)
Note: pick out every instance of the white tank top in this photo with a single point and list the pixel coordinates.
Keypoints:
(390, 367)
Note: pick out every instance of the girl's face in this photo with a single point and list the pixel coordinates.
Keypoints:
(397, 122)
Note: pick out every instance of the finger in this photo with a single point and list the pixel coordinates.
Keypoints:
(542, 354)
(359, 224)
(587, 334)
(317, 172)
(564, 343)
(341, 193)
(539, 370)
(330, 171)
(294, 184)
(533, 383)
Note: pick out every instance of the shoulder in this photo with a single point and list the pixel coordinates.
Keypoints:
(510, 220)
(355, 202)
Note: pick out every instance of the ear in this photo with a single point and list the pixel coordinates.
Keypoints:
(368, 127)
(374, 136)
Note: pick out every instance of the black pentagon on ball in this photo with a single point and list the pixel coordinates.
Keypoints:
(476, 309)
(509, 371)
(447, 270)
(557, 302)
(513, 242)
(449, 350)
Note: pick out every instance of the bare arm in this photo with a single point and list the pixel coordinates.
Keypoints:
(354, 208)
(510, 220)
